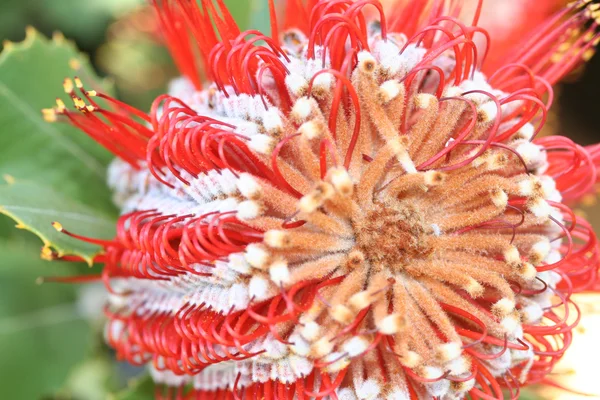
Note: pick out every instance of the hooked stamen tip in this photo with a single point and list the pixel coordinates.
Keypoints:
(57, 225)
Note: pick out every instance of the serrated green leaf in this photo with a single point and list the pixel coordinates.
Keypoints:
(31, 76)
(34, 207)
(139, 389)
(42, 333)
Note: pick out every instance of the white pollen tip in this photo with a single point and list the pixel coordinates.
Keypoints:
(527, 271)
(238, 296)
(474, 288)
(448, 352)
(309, 204)
(391, 324)
(500, 198)
(434, 178)
(238, 263)
(360, 301)
(323, 81)
(526, 131)
(458, 366)
(512, 256)
(488, 112)
(549, 190)
(311, 130)
(453, 91)
(424, 100)
(315, 199)
(249, 209)
(277, 239)
(302, 109)
(411, 359)
(256, 255)
(366, 61)
(262, 144)
(279, 272)
(296, 84)
(310, 331)
(259, 288)
(527, 186)
(463, 387)
(530, 152)
(369, 389)
(341, 314)
(532, 314)
(300, 346)
(272, 121)
(539, 252)
(540, 208)
(248, 186)
(389, 90)
(356, 346)
(322, 347)
(336, 362)
(429, 372)
(510, 324)
(341, 181)
(346, 394)
(503, 307)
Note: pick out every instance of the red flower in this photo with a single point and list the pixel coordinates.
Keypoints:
(508, 22)
(350, 210)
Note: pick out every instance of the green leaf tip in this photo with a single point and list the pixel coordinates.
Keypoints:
(36, 208)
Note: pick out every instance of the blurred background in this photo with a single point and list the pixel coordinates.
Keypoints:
(51, 344)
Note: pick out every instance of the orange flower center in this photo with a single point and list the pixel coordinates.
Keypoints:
(390, 237)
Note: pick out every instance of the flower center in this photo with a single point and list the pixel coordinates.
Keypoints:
(392, 236)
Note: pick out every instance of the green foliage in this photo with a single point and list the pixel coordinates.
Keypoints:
(53, 173)
(31, 75)
(92, 379)
(42, 334)
(85, 21)
(139, 389)
(35, 207)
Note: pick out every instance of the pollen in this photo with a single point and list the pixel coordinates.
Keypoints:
(47, 254)
(49, 115)
(68, 85)
(60, 106)
(75, 64)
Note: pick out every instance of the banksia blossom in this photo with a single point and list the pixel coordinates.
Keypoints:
(349, 210)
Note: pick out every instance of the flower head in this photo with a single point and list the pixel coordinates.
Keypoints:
(349, 209)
